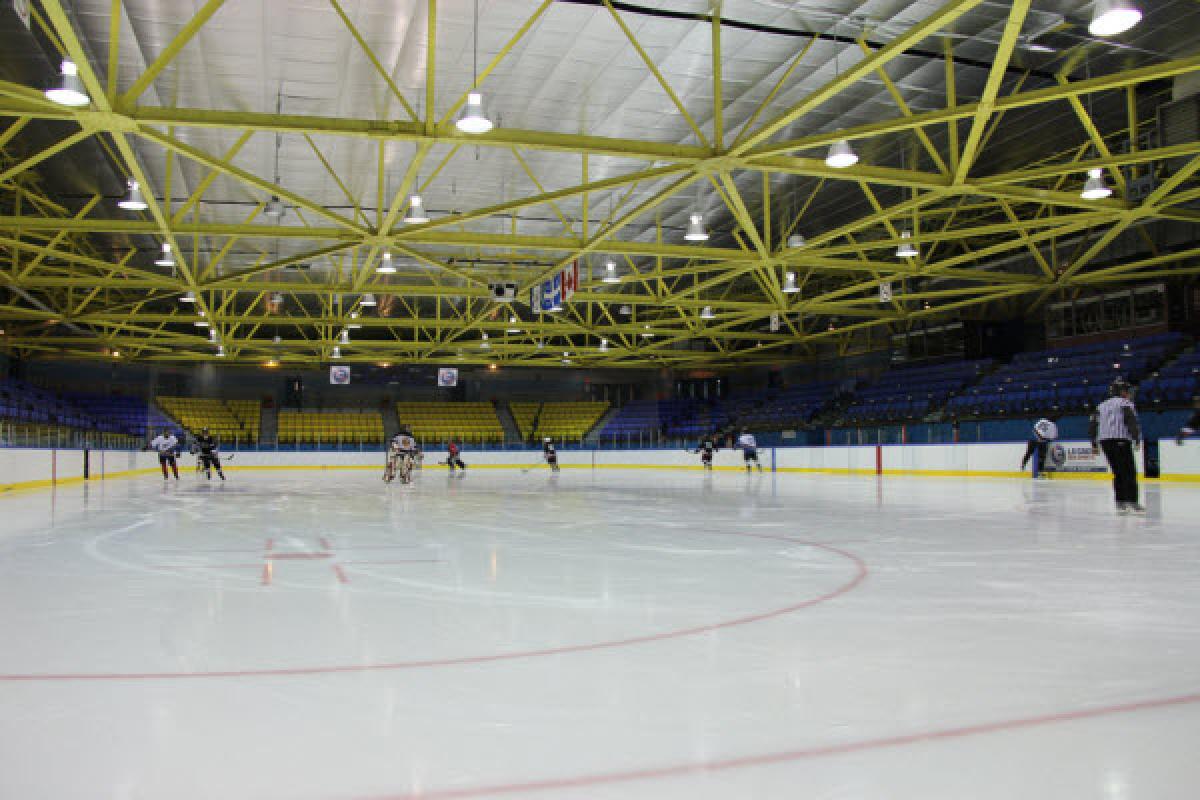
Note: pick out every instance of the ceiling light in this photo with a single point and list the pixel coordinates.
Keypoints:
(493, 366)
(212, 335)
(841, 155)
(566, 359)
(116, 353)
(69, 91)
(344, 338)
(278, 339)
(795, 241)
(201, 323)
(271, 363)
(386, 266)
(275, 208)
(695, 229)
(540, 344)
(789, 283)
(512, 326)
(610, 272)
(906, 249)
(555, 306)
(337, 352)
(1111, 17)
(604, 345)
(647, 333)
(166, 260)
(368, 299)
(484, 344)
(473, 120)
(134, 200)
(416, 211)
(625, 310)
(1094, 188)
(707, 313)
(220, 351)
(188, 297)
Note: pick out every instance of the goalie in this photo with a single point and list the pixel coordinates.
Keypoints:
(401, 456)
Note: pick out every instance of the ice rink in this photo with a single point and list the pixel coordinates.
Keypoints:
(598, 635)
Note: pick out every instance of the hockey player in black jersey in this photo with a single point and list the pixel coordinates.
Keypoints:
(706, 448)
(206, 444)
(550, 453)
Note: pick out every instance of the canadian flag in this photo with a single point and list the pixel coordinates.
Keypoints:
(570, 280)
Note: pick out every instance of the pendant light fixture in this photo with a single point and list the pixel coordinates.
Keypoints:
(134, 201)
(474, 120)
(707, 313)
(610, 272)
(344, 338)
(212, 335)
(69, 90)
(188, 297)
(841, 155)
(795, 241)
(789, 283)
(906, 249)
(484, 344)
(368, 299)
(353, 324)
(1113, 17)
(166, 259)
(416, 210)
(604, 345)
(386, 267)
(337, 352)
(275, 208)
(695, 229)
(1094, 188)
(220, 351)
(625, 310)
(512, 326)
(647, 333)
(566, 359)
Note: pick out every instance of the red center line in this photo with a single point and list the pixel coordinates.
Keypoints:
(786, 756)
(341, 575)
(270, 544)
(203, 566)
(296, 556)
(266, 573)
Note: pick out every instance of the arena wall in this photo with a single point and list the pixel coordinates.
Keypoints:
(22, 468)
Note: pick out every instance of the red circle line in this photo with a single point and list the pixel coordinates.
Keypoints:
(860, 574)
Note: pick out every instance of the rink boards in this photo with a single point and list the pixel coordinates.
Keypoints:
(22, 468)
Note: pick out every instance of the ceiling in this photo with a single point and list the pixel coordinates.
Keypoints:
(974, 122)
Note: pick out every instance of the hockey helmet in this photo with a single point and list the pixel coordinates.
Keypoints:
(1118, 387)
(547, 439)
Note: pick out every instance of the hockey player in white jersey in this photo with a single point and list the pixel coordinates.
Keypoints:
(749, 447)
(401, 457)
(1044, 432)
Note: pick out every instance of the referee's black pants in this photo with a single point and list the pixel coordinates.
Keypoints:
(1039, 446)
(1119, 453)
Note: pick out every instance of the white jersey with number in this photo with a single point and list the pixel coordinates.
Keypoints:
(165, 444)
(1045, 429)
(402, 442)
(747, 441)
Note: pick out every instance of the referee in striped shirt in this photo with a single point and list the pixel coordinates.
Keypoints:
(1114, 428)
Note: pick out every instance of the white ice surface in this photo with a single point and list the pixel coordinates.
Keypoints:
(598, 635)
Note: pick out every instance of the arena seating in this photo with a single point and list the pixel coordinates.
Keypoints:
(1175, 383)
(779, 409)
(122, 414)
(24, 402)
(228, 420)
(680, 417)
(569, 421)
(1063, 380)
(524, 414)
(434, 423)
(349, 427)
(911, 392)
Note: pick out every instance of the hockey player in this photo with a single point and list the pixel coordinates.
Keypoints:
(206, 444)
(706, 448)
(1114, 428)
(1193, 425)
(168, 447)
(1044, 432)
(453, 456)
(749, 447)
(401, 456)
(550, 453)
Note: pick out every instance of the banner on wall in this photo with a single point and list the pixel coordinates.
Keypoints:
(448, 377)
(552, 293)
(339, 375)
(1074, 457)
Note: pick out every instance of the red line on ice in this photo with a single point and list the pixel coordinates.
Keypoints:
(270, 544)
(860, 574)
(786, 756)
(341, 574)
(400, 561)
(325, 543)
(266, 574)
